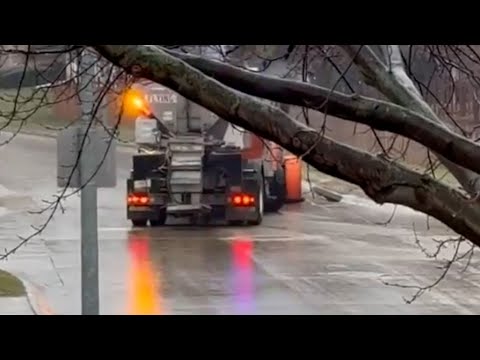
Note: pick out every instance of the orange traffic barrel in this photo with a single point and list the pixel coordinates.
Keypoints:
(293, 179)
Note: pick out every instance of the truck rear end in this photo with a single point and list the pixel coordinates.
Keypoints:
(204, 171)
(225, 190)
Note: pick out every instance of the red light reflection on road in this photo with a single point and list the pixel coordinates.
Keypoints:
(143, 289)
(242, 267)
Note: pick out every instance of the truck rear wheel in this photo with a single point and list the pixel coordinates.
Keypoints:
(139, 223)
(261, 204)
(278, 191)
(162, 218)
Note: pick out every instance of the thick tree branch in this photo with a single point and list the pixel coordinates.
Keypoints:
(380, 115)
(399, 88)
(383, 181)
(391, 81)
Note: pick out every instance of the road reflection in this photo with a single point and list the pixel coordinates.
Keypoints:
(144, 287)
(243, 276)
(197, 273)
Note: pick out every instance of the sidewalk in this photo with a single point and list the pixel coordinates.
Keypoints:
(15, 306)
(29, 266)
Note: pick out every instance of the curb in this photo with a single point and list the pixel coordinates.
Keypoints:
(35, 298)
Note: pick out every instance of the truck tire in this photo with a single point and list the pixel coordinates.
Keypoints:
(261, 203)
(162, 218)
(139, 223)
(277, 190)
(235, 223)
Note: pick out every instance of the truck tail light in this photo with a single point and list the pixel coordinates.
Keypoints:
(138, 199)
(240, 200)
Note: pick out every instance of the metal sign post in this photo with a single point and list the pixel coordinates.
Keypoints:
(89, 227)
(86, 161)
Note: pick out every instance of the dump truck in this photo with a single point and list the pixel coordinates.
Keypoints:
(192, 164)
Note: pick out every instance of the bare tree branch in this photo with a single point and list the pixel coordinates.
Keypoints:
(382, 180)
(399, 88)
(378, 114)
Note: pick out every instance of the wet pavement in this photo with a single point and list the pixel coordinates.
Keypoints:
(311, 259)
(15, 306)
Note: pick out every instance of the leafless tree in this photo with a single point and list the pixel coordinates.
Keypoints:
(408, 92)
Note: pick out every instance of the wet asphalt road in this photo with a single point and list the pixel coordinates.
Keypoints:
(311, 259)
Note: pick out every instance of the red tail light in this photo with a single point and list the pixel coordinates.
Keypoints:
(242, 200)
(138, 199)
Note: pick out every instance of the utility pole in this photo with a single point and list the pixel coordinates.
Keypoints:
(96, 168)
(89, 230)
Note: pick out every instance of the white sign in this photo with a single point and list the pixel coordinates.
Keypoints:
(161, 98)
(145, 131)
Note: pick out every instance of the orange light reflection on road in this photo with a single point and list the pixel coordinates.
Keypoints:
(143, 290)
